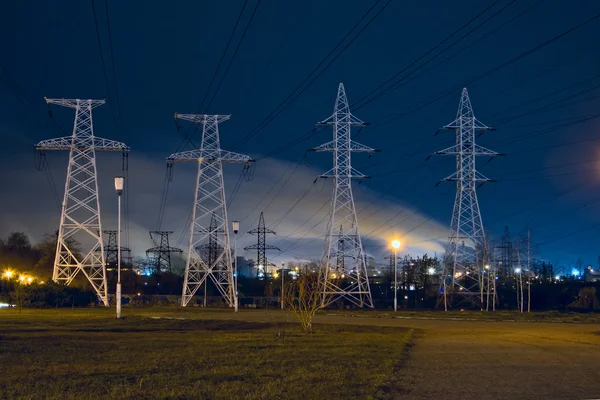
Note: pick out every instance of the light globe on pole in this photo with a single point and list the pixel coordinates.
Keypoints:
(395, 246)
(119, 181)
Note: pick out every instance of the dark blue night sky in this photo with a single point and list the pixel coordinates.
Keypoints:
(543, 102)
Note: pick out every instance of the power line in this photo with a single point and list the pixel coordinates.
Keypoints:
(292, 96)
(103, 64)
(357, 105)
(192, 128)
(234, 54)
(497, 68)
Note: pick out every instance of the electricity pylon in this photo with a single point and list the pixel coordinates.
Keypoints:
(342, 214)
(80, 215)
(466, 274)
(111, 250)
(261, 246)
(209, 201)
(160, 254)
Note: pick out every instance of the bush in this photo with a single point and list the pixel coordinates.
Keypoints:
(48, 295)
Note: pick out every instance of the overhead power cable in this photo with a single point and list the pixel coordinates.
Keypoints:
(309, 79)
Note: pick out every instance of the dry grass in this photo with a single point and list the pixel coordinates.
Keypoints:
(86, 354)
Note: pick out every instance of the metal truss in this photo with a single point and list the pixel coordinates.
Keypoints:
(209, 203)
(261, 246)
(111, 250)
(160, 255)
(467, 274)
(343, 266)
(80, 215)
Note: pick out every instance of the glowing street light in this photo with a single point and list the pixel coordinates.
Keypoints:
(8, 274)
(119, 180)
(395, 246)
(29, 279)
(235, 226)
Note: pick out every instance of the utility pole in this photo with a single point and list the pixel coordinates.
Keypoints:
(464, 261)
(80, 213)
(261, 246)
(160, 254)
(355, 288)
(209, 200)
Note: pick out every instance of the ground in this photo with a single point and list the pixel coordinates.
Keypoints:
(85, 354)
(362, 355)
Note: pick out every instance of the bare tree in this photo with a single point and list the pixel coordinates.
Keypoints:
(304, 297)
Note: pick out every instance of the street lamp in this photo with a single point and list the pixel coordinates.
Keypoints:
(8, 274)
(119, 180)
(235, 225)
(396, 246)
(282, 282)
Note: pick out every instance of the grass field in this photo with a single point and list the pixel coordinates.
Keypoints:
(86, 354)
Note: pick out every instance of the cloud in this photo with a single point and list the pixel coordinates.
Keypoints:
(296, 207)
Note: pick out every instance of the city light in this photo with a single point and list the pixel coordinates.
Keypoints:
(518, 270)
(431, 271)
(396, 244)
(8, 274)
(487, 267)
(575, 272)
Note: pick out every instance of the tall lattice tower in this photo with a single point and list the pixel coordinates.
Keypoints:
(160, 254)
(506, 258)
(261, 246)
(80, 214)
(342, 218)
(466, 272)
(209, 201)
(111, 250)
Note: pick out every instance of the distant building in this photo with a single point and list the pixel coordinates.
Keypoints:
(591, 275)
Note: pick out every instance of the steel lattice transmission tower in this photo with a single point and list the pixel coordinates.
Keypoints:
(160, 254)
(465, 276)
(80, 214)
(261, 245)
(209, 202)
(343, 224)
(112, 251)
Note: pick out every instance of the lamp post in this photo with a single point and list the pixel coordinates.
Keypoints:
(119, 188)
(235, 225)
(282, 282)
(396, 246)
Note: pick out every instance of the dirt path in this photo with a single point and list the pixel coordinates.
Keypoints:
(464, 359)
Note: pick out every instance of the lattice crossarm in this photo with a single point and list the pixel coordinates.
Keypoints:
(101, 144)
(74, 103)
(235, 158)
(200, 118)
(357, 147)
(185, 156)
(450, 151)
(482, 151)
(62, 143)
(329, 146)
(67, 142)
